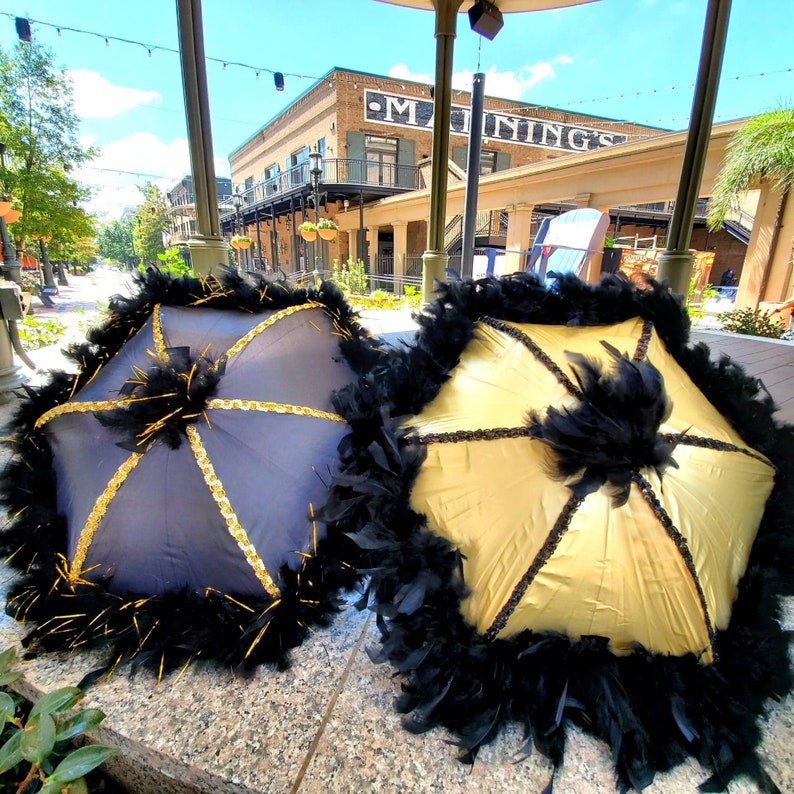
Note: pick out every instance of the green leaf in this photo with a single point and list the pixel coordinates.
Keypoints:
(8, 676)
(56, 701)
(7, 658)
(83, 721)
(38, 738)
(77, 786)
(10, 753)
(7, 707)
(80, 762)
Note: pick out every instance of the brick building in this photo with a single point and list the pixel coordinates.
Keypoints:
(375, 134)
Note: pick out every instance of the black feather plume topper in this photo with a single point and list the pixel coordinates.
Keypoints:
(613, 431)
(160, 402)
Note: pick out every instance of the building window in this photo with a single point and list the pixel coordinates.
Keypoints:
(487, 162)
(381, 156)
(321, 146)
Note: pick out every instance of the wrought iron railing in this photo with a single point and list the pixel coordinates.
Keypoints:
(336, 171)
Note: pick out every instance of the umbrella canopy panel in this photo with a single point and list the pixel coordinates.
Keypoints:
(659, 569)
(228, 502)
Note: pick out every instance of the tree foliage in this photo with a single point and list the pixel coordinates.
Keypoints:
(39, 127)
(151, 220)
(115, 241)
(763, 149)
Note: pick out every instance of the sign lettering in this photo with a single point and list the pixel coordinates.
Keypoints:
(405, 111)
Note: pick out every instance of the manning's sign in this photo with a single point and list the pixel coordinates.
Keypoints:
(405, 111)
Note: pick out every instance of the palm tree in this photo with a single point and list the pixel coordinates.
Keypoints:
(760, 153)
(763, 149)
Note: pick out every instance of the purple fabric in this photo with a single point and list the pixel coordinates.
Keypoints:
(163, 531)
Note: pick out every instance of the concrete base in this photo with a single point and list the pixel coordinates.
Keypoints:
(676, 268)
(434, 265)
(207, 255)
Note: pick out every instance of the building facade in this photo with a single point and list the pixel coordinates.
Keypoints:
(182, 207)
(374, 134)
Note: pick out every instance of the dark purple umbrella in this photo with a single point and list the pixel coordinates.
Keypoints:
(186, 465)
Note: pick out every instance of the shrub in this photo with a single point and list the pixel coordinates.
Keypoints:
(752, 322)
(350, 276)
(36, 333)
(36, 744)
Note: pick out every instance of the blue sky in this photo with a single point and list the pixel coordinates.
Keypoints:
(625, 59)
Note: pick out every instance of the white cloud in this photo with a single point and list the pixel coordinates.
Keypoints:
(133, 160)
(508, 84)
(95, 97)
(401, 72)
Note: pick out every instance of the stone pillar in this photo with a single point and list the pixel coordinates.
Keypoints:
(519, 226)
(400, 252)
(352, 247)
(372, 251)
(766, 274)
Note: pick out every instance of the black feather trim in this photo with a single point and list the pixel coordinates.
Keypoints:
(163, 632)
(652, 710)
(613, 431)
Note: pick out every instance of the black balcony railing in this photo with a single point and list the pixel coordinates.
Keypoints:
(340, 171)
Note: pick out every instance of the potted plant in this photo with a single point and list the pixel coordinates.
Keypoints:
(241, 241)
(308, 231)
(28, 285)
(327, 229)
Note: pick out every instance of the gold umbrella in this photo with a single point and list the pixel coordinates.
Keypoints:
(569, 517)
(660, 570)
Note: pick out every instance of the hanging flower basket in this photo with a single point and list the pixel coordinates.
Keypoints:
(308, 231)
(241, 241)
(327, 229)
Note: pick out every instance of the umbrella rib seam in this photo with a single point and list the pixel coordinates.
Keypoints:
(683, 549)
(536, 351)
(549, 547)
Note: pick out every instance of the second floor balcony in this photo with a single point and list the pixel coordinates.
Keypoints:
(341, 178)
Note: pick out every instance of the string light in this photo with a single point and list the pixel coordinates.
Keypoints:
(279, 76)
(150, 48)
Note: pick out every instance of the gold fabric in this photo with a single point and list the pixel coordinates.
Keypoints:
(616, 572)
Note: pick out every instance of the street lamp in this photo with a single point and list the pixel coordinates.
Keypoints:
(12, 270)
(315, 171)
(237, 200)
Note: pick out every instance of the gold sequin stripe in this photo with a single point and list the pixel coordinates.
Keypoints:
(98, 513)
(274, 408)
(274, 318)
(232, 522)
(157, 332)
(81, 408)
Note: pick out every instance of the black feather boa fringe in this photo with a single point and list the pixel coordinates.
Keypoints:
(652, 710)
(165, 632)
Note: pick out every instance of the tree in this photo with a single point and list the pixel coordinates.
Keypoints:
(763, 149)
(151, 220)
(115, 241)
(39, 126)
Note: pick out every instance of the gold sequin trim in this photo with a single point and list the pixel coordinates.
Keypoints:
(80, 408)
(232, 522)
(157, 332)
(98, 513)
(274, 318)
(274, 408)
